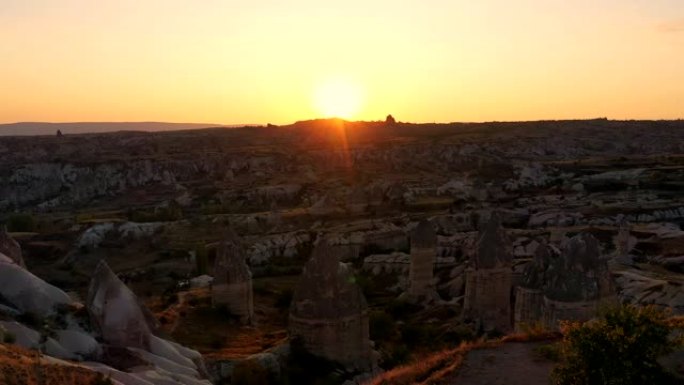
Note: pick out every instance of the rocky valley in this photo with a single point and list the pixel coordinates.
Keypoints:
(326, 251)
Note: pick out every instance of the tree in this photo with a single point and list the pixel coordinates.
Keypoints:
(390, 120)
(622, 348)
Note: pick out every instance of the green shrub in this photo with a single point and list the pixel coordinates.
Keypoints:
(620, 348)
(397, 355)
(21, 222)
(284, 298)
(382, 326)
(9, 338)
(550, 352)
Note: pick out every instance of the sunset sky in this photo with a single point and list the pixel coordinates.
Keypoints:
(237, 61)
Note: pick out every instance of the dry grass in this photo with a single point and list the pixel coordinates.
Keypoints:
(437, 367)
(432, 368)
(20, 366)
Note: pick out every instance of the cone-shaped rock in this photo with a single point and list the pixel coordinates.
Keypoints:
(115, 311)
(423, 254)
(487, 299)
(329, 314)
(232, 285)
(493, 246)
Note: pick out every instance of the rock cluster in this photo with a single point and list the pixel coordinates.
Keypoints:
(488, 285)
(232, 284)
(329, 314)
(571, 286)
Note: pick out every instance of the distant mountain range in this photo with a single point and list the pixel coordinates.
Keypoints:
(42, 128)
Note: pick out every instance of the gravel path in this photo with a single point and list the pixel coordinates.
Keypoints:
(509, 364)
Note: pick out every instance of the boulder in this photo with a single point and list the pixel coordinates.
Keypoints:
(28, 293)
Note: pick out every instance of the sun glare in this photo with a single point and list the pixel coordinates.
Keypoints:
(338, 98)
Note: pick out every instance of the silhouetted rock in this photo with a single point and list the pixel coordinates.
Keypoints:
(529, 298)
(232, 284)
(571, 286)
(489, 279)
(329, 314)
(423, 253)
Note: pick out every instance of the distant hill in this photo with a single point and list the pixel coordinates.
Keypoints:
(41, 128)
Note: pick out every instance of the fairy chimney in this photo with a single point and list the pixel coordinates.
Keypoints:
(487, 299)
(232, 284)
(329, 314)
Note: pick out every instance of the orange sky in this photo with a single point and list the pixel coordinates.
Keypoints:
(262, 61)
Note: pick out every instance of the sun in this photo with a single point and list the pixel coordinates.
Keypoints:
(338, 98)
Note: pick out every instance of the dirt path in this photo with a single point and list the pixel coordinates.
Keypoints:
(509, 364)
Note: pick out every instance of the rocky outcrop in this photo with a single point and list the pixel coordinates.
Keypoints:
(124, 326)
(488, 285)
(329, 314)
(10, 248)
(232, 284)
(115, 311)
(423, 254)
(529, 297)
(571, 286)
(27, 293)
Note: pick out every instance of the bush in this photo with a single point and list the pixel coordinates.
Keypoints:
(284, 298)
(19, 223)
(620, 348)
(9, 338)
(382, 326)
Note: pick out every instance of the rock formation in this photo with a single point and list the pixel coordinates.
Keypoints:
(571, 286)
(577, 282)
(10, 248)
(26, 293)
(232, 285)
(489, 279)
(125, 328)
(329, 314)
(529, 298)
(423, 253)
(115, 311)
(624, 242)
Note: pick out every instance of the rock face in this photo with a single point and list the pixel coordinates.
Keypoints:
(115, 311)
(569, 287)
(27, 293)
(329, 314)
(489, 279)
(125, 328)
(10, 248)
(232, 285)
(423, 253)
(529, 298)
(624, 242)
